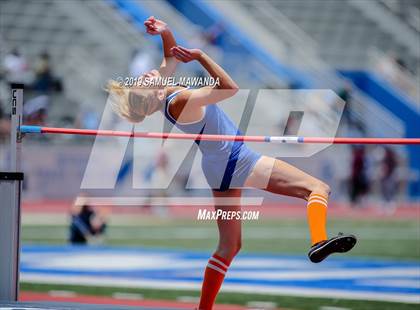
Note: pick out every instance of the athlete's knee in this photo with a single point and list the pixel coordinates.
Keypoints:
(229, 249)
(319, 187)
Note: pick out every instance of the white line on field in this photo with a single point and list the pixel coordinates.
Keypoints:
(198, 233)
(56, 293)
(131, 296)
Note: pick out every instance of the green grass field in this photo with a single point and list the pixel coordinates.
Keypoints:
(392, 239)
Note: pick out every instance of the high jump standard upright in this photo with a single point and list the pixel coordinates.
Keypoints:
(10, 196)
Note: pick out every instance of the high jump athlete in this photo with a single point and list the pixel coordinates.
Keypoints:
(195, 111)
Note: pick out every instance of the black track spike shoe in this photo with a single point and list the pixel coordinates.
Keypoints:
(339, 244)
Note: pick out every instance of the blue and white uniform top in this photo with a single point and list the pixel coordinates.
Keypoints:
(225, 164)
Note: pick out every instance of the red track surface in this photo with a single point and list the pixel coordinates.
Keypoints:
(268, 210)
(103, 300)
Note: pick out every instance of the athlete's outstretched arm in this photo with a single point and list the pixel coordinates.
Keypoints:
(154, 27)
(207, 95)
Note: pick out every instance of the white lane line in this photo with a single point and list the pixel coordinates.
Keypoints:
(392, 283)
(127, 296)
(56, 293)
(168, 201)
(191, 299)
(197, 233)
(334, 273)
(261, 305)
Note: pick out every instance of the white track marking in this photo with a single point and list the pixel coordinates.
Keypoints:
(261, 305)
(171, 201)
(326, 274)
(203, 233)
(130, 296)
(191, 299)
(56, 293)
(392, 283)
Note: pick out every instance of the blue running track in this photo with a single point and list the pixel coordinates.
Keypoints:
(338, 277)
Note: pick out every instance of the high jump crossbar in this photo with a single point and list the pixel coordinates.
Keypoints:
(210, 137)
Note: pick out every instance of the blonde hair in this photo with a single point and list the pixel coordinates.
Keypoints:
(134, 107)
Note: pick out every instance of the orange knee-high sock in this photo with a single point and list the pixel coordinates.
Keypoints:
(213, 279)
(317, 217)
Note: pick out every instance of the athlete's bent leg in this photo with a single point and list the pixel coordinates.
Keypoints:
(279, 177)
(229, 245)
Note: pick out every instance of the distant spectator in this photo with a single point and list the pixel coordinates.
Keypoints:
(4, 124)
(85, 224)
(35, 110)
(15, 67)
(359, 184)
(388, 179)
(45, 80)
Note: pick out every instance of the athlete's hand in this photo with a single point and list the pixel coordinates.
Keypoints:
(186, 54)
(155, 26)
